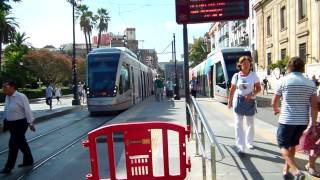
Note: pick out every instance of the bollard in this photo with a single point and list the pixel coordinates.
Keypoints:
(204, 164)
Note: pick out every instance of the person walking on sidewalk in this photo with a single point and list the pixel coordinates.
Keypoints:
(265, 85)
(298, 93)
(18, 117)
(49, 94)
(159, 88)
(193, 86)
(58, 94)
(245, 85)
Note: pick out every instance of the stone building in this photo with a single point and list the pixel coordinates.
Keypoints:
(287, 28)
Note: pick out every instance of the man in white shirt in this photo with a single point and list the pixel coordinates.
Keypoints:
(18, 117)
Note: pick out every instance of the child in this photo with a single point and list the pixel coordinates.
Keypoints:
(310, 144)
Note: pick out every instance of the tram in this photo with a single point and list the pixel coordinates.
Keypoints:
(116, 80)
(215, 73)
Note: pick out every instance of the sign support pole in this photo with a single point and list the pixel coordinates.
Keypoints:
(186, 69)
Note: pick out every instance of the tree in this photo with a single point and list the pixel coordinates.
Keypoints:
(50, 67)
(13, 65)
(198, 52)
(87, 21)
(7, 31)
(5, 6)
(102, 26)
(281, 65)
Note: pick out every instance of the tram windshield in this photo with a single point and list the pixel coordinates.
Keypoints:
(102, 71)
(231, 60)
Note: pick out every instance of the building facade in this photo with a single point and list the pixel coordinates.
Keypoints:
(148, 57)
(287, 28)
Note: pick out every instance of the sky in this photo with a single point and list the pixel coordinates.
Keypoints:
(49, 22)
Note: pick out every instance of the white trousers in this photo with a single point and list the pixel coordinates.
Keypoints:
(243, 138)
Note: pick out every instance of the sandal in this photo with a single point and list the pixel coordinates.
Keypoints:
(312, 171)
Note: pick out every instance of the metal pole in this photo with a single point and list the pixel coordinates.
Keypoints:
(75, 100)
(213, 163)
(204, 164)
(177, 97)
(186, 69)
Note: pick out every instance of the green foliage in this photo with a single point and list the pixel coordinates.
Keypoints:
(103, 18)
(13, 67)
(35, 93)
(198, 52)
(280, 64)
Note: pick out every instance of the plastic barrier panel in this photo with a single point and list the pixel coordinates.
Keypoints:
(138, 151)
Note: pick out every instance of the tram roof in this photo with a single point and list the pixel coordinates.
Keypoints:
(228, 49)
(113, 50)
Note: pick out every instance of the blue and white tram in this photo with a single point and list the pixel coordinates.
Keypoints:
(215, 73)
(116, 80)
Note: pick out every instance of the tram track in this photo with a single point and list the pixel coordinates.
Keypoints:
(3, 151)
(60, 150)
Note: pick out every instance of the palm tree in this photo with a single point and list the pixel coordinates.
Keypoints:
(103, 19)
(7, 31)
(90, 23)
(82, 13)
(6, 7)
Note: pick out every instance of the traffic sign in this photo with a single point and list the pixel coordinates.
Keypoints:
(201, 11)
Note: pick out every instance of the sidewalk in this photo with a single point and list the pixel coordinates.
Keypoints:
(41, 110)
(263, 162)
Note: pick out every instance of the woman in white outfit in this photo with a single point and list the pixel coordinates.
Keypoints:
(245, 85)
(58, 94)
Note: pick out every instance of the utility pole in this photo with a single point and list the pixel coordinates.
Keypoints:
(75, 100)
(186, 70)
(176, 88)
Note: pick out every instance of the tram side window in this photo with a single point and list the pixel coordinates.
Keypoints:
(220, 79)
(124, 83)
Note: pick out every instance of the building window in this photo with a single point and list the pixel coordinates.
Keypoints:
(283, 53)
(303, 51)
(269, 62)
(269, 25)
(302, 8)
(283, 22)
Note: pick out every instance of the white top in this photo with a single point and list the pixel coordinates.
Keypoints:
(296, 91)
(169, 85)
(58, 92)
(245, 85)
(17, 107)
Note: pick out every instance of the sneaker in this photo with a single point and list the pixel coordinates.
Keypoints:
(250, 146)
(300, 176)
(287, 176)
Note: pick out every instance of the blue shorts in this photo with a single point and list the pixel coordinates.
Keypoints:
(289, 135)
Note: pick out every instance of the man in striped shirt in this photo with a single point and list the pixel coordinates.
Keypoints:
(298, 94)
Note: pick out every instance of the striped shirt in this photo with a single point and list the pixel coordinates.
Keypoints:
(296, 91)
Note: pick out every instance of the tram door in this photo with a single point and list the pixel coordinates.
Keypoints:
(133, 86)
(210, 74)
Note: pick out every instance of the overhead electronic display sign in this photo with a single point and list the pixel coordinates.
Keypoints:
(201, 11)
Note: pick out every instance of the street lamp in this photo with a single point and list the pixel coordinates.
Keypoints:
(75, 100)
(177, 97)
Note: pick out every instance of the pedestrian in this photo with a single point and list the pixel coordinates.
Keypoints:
(159, 88)
(298, 95)
(315, 81)
(169, 89)
(80, 91)
(245, 85)
(49, 94)
(58, 94)
(310, 144)
(18, 117)
(193, 86)
(265, 85)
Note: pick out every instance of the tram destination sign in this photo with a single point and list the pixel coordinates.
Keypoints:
(201, 11)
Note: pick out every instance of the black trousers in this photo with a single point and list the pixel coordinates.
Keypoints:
(194, 93)
(18, 142)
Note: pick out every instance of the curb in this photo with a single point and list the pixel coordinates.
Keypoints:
(53, 115)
